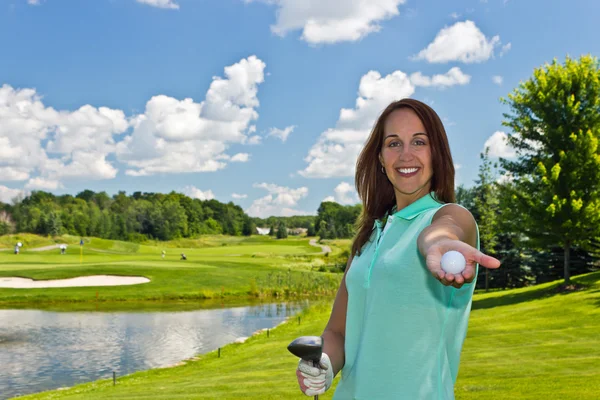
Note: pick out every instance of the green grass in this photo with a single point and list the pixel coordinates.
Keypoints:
(528, 344)
(232, 267)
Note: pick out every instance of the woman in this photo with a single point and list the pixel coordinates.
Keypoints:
(399, 321)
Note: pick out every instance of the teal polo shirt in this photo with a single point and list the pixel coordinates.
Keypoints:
(404, 329)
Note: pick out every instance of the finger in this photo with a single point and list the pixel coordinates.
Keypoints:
(307, 368)
(320, 378)
(313, 384)
(314, 392)
(469, 273)
(487, 261)
(458, 280)
(457, 285)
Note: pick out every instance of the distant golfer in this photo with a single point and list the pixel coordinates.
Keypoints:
(183, 257)
(63, 249)
(163, 253)
(399, 321)
(17, 248)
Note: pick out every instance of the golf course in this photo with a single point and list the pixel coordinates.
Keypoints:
(538, 342)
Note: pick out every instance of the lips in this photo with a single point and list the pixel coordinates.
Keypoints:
(408, 172)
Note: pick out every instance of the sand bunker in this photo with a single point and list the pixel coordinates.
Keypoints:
(95, 280)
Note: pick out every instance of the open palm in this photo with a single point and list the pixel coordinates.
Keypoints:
(472, 257)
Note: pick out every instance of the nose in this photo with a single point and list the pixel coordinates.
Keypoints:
(405, 152)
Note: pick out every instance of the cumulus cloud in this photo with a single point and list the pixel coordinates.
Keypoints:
(175, 136)
(240, 157)
(498, 145)
(195, 193)
(8, 194)
(331, 21)
(497, 79)
(169, 4)
(43, 184)
(282, 134)
(279, 202)
(238, 196)
(462, 42)
(55, 144)
(451, 78)
(345, 194)
(48, 146)
(336, 150)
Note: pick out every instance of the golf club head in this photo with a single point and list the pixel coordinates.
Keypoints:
(308, 348)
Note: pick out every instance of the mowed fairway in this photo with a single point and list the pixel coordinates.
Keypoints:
(528, 343)
(223, 266)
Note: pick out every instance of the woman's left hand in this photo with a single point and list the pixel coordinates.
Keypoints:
(471, 254)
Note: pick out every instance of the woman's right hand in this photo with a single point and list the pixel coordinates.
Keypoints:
(313, 379)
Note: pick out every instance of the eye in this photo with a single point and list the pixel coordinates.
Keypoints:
(420, 142)
(393, 144)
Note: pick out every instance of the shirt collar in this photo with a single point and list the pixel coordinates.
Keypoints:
(423, 204)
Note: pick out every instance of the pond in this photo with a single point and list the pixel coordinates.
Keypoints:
(42, 350)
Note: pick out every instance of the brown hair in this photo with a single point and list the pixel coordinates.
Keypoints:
(374, 188)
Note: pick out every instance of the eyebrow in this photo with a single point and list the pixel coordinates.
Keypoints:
(414, 134)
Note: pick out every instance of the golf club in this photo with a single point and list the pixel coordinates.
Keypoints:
(308, 348)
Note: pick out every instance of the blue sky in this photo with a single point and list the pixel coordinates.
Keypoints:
(264, 103)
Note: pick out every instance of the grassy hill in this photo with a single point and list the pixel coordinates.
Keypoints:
(532, 343)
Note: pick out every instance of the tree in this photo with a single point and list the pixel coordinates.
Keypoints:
(486, 203)
(272, 230)
(249, 228)
(311, 230)
(555, 123)
(282, 231)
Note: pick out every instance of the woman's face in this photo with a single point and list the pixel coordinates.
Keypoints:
(406, 155)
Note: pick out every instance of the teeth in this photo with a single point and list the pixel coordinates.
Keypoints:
(407, 170)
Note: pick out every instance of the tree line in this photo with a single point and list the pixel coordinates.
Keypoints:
(134, 217)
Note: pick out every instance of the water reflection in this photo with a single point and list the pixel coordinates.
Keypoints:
(42, 350)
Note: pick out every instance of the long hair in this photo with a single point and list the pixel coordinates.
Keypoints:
(374, 188)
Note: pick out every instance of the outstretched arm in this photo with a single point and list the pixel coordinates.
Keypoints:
(453, 228)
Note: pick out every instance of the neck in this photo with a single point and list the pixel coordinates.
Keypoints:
(404, 199)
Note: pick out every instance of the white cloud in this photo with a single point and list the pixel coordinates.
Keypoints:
(463, 42)
(34, 2)
(252, 140)
(498, 145)
(279, 202)
(336, 150)
(505, 49)
(175, 136)
(8, 194)
(43, 184)
(455, 15)
(160, 3)
(56, 144)
(497, 79)
(331, 21)
(453, 77)
(345, 194)
(282, 133)
(195, 193)
(329, 198)
(13, 174)
(238, 196)
(240, 157)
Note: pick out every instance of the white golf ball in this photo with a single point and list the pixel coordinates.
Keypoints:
(453, 262)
